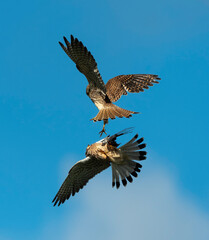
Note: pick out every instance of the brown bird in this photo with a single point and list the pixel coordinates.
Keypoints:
(100, 156)
(103, 95)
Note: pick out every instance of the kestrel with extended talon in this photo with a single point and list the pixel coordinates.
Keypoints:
(103, 95)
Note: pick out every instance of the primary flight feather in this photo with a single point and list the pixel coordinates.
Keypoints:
(100, 156)
(103, 95)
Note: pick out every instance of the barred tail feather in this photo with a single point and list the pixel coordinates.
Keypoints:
(129, 168)
(112, 111)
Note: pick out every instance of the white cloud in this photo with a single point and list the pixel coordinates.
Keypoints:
(150, 208)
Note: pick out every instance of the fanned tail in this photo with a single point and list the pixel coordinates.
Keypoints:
(112, 111)
(129, 168)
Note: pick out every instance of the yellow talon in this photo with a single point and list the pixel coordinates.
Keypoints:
(103, 131)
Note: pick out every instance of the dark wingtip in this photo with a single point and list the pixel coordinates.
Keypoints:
(134, 174)
(143, 152)
(113, 184)
(124, 182)
(143, 145)
(130, 179)
(142, 157)
(138, 165)
(55, 200)
(66, 41)
(76, 40)
(117, 185)
(140, 140)
(137, 170)
(61, 44)
(72, 38)
(136, 136)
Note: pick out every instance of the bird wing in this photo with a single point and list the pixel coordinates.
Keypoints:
(119, 85)
(84, 61)
(112, 139)
(78, 177)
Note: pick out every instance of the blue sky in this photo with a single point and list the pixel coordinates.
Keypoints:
(45, 117)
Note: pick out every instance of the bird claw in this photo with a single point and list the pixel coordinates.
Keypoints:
(103, 131)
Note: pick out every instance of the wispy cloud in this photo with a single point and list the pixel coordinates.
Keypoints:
(150, 208)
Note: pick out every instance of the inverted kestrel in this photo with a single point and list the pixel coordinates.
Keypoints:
(100, 156)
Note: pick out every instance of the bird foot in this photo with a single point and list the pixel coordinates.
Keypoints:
(103, 131)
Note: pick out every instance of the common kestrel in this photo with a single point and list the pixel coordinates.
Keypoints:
(103, 95)
(100, 156)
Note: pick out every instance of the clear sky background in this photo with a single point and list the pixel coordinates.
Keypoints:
(45, 118)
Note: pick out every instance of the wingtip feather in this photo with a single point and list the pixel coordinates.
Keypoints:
(72, 38)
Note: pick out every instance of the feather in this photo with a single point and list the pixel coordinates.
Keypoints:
(119, 85)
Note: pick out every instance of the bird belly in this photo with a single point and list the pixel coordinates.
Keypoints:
(99, 105)
(98, 98)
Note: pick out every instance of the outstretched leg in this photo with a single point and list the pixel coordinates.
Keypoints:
(105, 121)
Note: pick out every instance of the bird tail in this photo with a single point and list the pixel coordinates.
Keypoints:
(124, 171)
(112, 111)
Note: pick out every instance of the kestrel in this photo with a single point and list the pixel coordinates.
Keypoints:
(103, 95)
(100, 156)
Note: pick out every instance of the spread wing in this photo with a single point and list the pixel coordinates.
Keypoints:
(118, 86)
(78, 177)
(84, 61)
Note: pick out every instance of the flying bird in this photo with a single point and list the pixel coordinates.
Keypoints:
(103, 95)
(100, 156)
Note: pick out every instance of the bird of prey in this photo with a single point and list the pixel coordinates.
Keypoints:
(103, 95)
(100, 156)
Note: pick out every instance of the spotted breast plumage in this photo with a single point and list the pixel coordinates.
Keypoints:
(103, 95)
(100, 156)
